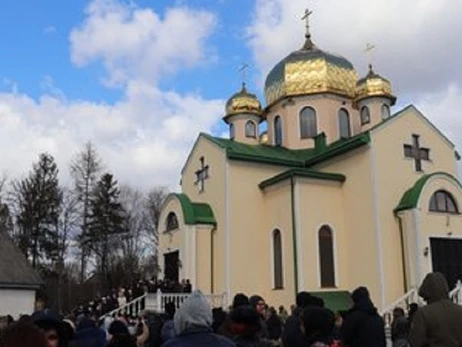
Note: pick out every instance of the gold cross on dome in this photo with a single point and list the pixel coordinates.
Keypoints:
(243, 71)
(368, 51)
(306, 17)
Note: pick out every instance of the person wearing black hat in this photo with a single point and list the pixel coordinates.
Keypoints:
(363, 327)
(120, 337)
(245, 328)
(317, 324)
(239, 300)
(54, 329)
(259, 304)
(292, 335)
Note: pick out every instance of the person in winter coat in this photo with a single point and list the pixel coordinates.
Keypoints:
(274, 324)
(193, 325)
(399, 328)
(317, 324)
(88, 335)
(363, 327)
(168, 329)
(259, 304)
(245, 328)
(292, 335)
(439, 323)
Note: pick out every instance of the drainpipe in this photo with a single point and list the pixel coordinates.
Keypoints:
(294, 233)
(403, 256)
(212, 280)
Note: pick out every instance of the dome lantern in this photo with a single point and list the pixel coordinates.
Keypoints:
(374, 85)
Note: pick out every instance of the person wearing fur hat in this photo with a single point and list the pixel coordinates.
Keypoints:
(363, 326)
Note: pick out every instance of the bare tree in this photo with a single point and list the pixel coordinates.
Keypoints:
(6, 222)
(85, 169)
(155, 199)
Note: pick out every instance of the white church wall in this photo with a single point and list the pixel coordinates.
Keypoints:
(16, 302)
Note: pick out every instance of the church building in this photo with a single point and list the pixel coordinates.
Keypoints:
(338, 192)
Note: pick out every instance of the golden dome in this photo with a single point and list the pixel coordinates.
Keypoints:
(374, 85)
(264, 138)
(310, 71)
(243, 102)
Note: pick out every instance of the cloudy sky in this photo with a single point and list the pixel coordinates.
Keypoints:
(141, 78)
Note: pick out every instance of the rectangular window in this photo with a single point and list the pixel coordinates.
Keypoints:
(408, 151)
(425, 154)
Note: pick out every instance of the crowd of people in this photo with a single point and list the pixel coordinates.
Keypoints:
(119, 297)
(251, 323)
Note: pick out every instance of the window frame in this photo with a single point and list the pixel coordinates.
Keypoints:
(254, 130)
(278, 259)
(168, 226)
(387, 107)
(339, 116)
(448, 198)
(329, 282)
(368, 120)
(278, 136)
(232, 131)
(308, 132)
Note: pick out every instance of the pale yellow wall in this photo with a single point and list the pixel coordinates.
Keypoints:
(361, 261)
(214, 195)
(395, 174)
(240, 122)
(375, 109)
(434, 224)
(255, 215)
(321, 203)
(326, 106)
(203, 260)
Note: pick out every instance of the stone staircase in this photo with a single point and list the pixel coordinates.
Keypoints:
(155, 302)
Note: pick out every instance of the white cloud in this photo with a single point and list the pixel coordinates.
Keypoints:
(417, 41)
(145, 136)
(139, 43)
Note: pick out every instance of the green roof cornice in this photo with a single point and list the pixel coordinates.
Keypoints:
(410, 199)
(302, 173)
(194, 212)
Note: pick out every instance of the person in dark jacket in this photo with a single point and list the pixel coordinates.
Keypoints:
(317, 324)
(439, 323)
(259, 304)
(245, 328)
(168, 329)
(239, 300)
(363, 327)
(292, 335)
(274, 324)
(193, 325)
(88, 335)
(399, 328)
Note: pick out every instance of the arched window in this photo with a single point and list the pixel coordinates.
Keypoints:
(232, 131)
(308, 123)
(278, 131)
(326, 257)
(344, 123)
(365, 115)
(250, 129)
(277, 260)
(385, 109)
(443, 201)
(172, 221)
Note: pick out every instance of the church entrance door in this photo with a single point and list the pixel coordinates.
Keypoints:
(172, 262)
(447, 258)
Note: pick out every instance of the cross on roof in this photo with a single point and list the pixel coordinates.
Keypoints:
(368, 51)
(306, 17)
(416, 152)
(243, 71)
(202, 174)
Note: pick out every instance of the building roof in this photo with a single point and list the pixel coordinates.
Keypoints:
(15, 270)
(195, 212)
(336, 301)
(410, 199)
(302, 158)
(302, 173)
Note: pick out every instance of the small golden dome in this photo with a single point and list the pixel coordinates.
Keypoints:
(374, 85)
(310, 71)
(264, 138)
(243, 102)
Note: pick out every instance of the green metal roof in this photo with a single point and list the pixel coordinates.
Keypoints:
(302, 158)
(302, 173)
(336, 301)
(195, 212)
(411, 197)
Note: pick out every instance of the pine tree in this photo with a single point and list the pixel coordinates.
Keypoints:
(39, 198)
(106, 220)
(84, 169)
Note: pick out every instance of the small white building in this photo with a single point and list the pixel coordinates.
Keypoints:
(18, 280)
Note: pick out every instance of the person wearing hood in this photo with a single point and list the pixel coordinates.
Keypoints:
(54, 329)
(193, 325)
(88, 335)
(245, 328)
(259, 304)
(240, 299)
(439, 323)
(292, 335)
(363, 327)
(317, 324)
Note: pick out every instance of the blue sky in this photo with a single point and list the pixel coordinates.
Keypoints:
(142, 78)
